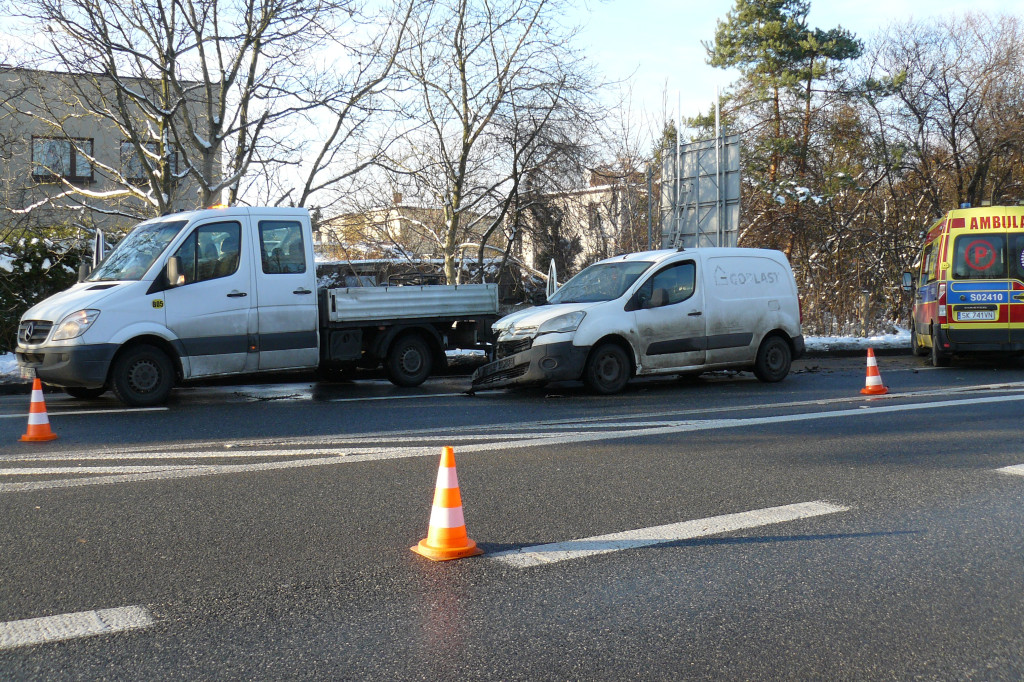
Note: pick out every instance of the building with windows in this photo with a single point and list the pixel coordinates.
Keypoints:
(66, 162)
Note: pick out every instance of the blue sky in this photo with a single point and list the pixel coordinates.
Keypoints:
(660, 40)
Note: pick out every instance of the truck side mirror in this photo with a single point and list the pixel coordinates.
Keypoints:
(174, 271)
(908, 281)
(83, 271)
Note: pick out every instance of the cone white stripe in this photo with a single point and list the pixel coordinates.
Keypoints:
(37, 396)
(874, 381)
(446, 517)
(872, 362)
(37, 418)
(446, 478)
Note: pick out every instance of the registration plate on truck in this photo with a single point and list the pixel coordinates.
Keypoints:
(976, 315)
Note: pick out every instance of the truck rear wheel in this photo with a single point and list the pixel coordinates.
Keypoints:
(607, 369)
(773, 360)
(142, 376)
(409, 361)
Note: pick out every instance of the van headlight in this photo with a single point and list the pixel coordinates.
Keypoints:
(563, 323)
(75, 324)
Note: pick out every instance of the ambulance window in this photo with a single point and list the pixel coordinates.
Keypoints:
(928, 263)
(1016, 254)
(978, 256)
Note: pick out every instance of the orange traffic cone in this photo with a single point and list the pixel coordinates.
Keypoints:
(873, 381)
(446, 535)
(38, 422)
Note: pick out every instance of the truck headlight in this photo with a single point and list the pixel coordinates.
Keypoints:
(563, 323)
(75, 324)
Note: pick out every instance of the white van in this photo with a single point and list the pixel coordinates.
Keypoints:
(656, 312)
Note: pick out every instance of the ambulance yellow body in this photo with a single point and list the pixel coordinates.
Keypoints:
(968, 284)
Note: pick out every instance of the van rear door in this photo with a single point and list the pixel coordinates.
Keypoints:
(285, 293)
(980, 289)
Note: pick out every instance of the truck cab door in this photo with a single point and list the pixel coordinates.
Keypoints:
(286, 295)
(669, 318)
(209, 308)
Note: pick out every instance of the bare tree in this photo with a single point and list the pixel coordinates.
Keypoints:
(206, 94)
(497, 91)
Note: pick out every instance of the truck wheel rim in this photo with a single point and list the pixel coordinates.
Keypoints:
(412, 362)
(143, 377)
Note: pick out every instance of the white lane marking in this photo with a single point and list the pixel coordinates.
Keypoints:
(394, 397)
(34, 631)
(538, 555)
(74, 413)
(349, 454)
(1016, 470)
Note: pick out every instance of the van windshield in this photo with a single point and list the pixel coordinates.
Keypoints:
(137, 252)
(600, 282)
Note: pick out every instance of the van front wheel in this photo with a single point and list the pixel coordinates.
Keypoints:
(607, 369)
(773, 360)
(915, 341)
(142, 376)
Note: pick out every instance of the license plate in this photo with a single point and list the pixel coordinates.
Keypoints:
(983, 315)
(495, 367)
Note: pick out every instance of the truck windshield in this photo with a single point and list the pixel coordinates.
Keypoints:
(600, 282)
(137, 252)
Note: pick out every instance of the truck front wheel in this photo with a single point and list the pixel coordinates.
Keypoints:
(409, 361)
(142, 376)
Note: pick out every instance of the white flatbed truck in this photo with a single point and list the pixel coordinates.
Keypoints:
(228, 291)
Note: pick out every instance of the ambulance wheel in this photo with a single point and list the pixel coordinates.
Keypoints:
(773, 360)
(142, 376)
(607, 369)
(939, 359)
(915, 342)
(84, 393)
(409, 361)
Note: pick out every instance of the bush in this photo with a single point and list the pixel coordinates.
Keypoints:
(30, 271)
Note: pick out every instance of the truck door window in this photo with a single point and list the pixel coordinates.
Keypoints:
(979, 256)
(210, 252)
(281, 247)
(672, 285)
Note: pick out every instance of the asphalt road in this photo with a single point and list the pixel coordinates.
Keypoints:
(791, 531)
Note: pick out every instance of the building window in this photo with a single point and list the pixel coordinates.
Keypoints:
(131, 164)
(55, 158)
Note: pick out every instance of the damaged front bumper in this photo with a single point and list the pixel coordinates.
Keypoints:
(536, 365)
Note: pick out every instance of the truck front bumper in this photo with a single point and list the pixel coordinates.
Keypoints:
(72, 366)
(536, 365)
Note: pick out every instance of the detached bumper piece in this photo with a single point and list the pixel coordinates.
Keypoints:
(536, 365)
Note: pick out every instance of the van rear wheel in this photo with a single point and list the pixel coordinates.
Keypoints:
(939, 359)
(773, 360)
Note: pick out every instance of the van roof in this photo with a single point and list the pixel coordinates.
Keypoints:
(660, 255)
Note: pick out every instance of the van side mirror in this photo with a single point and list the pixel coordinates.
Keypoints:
(908, 281)
(83, 271)
(174, 271)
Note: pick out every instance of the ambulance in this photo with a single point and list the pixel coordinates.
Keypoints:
(968, 284)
